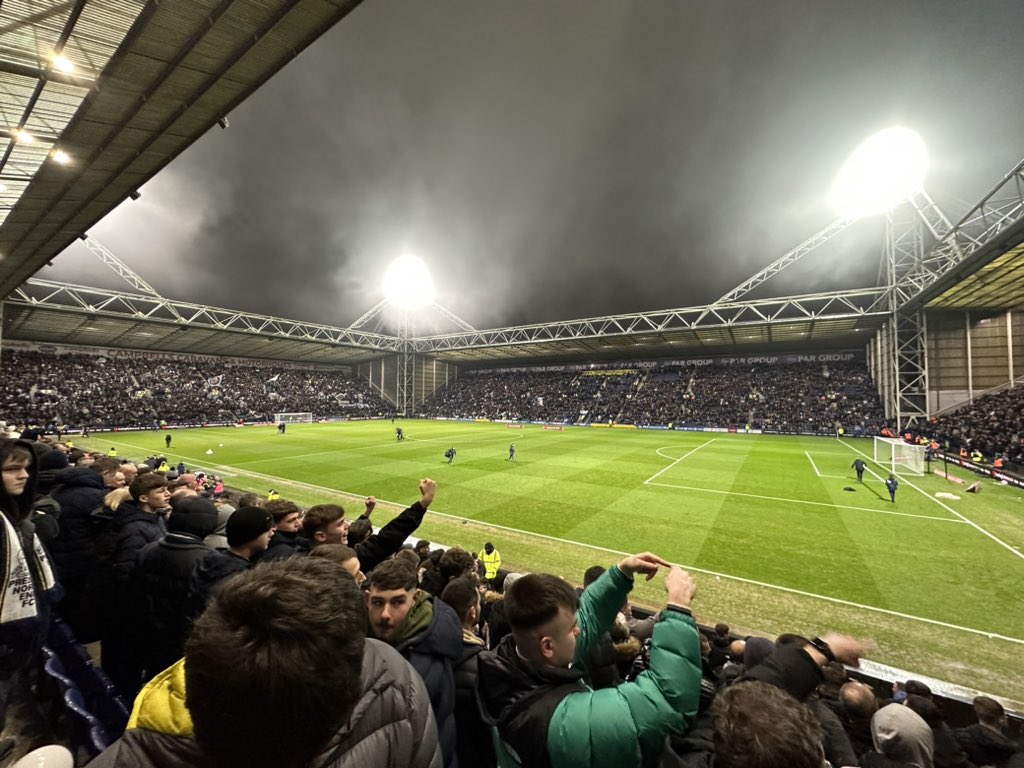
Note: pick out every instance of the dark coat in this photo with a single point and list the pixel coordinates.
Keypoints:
(433, 653)
(129, 531)
(206, 578)
(475, 747)
(389, 539)
(284, 545)
(985, 747)
(81, 492)
(159, 597)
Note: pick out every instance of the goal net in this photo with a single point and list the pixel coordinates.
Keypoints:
(293, 418)
(899, 457)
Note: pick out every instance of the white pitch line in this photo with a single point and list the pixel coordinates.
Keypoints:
(828, 504)
(808, 455)
(685, 455)
(1008, 547)
(740, 579)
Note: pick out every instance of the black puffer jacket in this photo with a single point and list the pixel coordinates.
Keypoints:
(985, 747)
(159, 597)
(129, 531)
(391, 727)
(213, 569)
(433, 653)
(81, 491)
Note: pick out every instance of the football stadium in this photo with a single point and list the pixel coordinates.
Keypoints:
(783, 525)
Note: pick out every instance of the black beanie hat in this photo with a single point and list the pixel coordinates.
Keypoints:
(53, 460)
(193, 515)
(246, 524)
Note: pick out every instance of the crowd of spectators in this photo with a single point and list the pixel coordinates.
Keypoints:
(254, 632)
(993, 424)
(795, 397)
(83, 390)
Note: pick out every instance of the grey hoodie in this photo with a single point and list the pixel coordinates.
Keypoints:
(901, 734)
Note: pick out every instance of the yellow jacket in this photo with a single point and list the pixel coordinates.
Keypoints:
(492, 563)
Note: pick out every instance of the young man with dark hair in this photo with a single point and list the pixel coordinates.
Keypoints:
(374, 548)
(986, 743)
(427, 632)
(286, 540)
(278, 672)
(455, 562)
(135, 524)
(474, 743)
(533, 690)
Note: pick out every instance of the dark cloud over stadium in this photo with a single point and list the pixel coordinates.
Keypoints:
(553, 160)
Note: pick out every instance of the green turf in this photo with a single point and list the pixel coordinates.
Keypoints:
(766, 522)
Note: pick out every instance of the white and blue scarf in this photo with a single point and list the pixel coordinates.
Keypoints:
(19, 600)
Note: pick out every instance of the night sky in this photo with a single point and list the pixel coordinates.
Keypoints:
(555, 159)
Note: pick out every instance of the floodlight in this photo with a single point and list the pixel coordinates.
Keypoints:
(882, 172)
(61, 157)
(62, 63)
(24, 137)
(407, 283)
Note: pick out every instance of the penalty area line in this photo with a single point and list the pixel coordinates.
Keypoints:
(805, 501)
(1008, 547)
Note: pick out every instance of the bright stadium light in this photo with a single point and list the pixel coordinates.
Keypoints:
(407, 283)
(882, 172)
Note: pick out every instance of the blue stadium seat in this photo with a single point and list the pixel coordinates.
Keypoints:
(88, 735)
(55, 671)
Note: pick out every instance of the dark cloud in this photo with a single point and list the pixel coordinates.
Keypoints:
(558, 160)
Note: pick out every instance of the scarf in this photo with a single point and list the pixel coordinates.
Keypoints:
(21, 573)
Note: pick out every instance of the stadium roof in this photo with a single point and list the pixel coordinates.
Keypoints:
(121, 87)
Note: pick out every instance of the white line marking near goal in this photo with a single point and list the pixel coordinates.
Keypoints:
(1009, 548)
(828, 504)
(684, 456)
(695, 569)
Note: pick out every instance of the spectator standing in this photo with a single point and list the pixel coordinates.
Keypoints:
(546, 716)
(427, 632)
(491, 559)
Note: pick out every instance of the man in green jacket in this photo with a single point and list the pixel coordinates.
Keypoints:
(531, 686)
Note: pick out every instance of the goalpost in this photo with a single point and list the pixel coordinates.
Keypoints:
(900, 457)
(293, 418)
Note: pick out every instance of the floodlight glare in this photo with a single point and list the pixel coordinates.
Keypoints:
(885, 170)
(407, 284)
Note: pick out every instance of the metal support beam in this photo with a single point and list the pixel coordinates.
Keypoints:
(140, 307)
(806, 247)
(862, 302)
(122, 270)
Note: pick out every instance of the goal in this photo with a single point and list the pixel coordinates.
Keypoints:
(293, 418)
(899, 457)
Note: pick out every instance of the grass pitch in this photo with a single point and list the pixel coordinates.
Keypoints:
(770, 526)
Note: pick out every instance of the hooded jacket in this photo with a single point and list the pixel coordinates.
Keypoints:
(612, 727)
(430, 639)
(213, 569)
(81, 491)
(21, 637)
(390, 727)
(984, 746)
(159, 589)
(901, 737)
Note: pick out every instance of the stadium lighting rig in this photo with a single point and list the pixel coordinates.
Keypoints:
(887, 169)
(408, 284)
